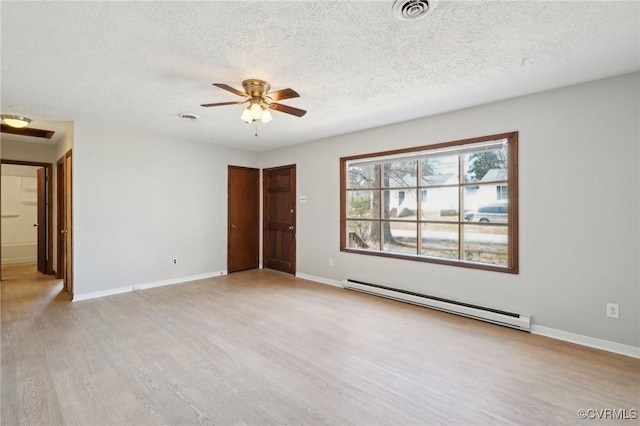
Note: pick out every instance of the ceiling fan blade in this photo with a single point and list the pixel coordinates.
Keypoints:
(283, 94)
(230, 89)
(223, 103)
(287, 109)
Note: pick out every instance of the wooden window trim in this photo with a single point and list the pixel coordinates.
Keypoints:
(512, 215)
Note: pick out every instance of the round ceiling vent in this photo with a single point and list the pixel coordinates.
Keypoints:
(188, 117)
(409, 10)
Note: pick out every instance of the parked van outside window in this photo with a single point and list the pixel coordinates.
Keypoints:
(490, 213)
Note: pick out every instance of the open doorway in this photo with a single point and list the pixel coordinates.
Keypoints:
(27, 209)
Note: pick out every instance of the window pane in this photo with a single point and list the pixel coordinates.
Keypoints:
(486, 244)
(359, 233)
(363, 176)
(440, 240)
(439, 171)
(399, 204)
(502, 192)
(482, 206)
(400, 174)
(486, 166)
(363, 204)
(440, 204)
(400, 237)
(374, 236)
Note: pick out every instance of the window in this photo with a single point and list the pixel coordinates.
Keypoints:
(469, 219)
(501, 192)
(400, 197)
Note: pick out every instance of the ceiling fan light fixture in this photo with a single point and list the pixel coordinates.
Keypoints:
(246, 116)
(266, 116)
(256, 110)
(16, 121)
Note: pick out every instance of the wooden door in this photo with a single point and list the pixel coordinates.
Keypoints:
(68, 273)
(279, 221)
(243, 220)
(60, 220)
(41, 206)
(64, 265)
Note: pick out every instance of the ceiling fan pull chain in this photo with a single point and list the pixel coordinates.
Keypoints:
(256, 129)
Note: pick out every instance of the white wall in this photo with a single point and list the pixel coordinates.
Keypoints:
(139, 202)
(579, 208)
(66, 142)
(27, 151)
(19, 214)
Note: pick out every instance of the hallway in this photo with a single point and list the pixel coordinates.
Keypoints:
(26, 291)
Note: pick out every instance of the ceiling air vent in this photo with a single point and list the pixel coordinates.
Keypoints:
(409, 10)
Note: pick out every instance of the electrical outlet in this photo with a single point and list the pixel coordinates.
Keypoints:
(175, 261)
(613, 310)
(330, 262)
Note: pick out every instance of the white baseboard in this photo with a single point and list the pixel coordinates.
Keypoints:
(591, 342)
(145, 286)
(103, 293)
(22, 252)
(319, 279)
(15, 260)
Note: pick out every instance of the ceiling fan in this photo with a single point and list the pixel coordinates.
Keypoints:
(256, 92)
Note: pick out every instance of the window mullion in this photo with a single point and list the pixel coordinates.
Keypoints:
(419, 207)
(461, 179)
(381, 206)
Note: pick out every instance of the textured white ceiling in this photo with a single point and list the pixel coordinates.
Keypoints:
(353, 63)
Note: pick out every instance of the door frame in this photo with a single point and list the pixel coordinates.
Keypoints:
(48, 211)
(62, 212)
(294, 220)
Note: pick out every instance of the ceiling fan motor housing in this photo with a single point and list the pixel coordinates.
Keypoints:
(256, 88)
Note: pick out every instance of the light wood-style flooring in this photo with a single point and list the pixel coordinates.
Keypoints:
(260, 348)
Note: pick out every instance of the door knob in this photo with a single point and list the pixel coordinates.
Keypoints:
(35, 224)
(291, 228)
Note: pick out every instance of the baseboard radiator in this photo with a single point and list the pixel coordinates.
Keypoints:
(495, 316)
